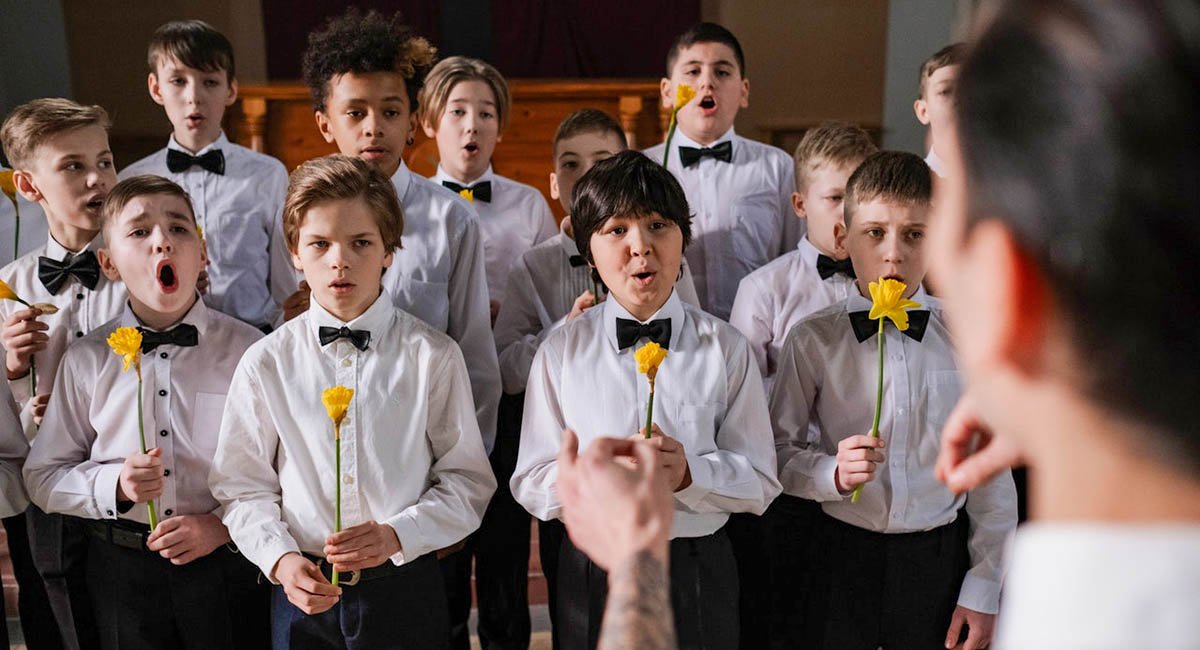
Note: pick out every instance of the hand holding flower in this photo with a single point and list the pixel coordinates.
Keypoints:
(141, 478)
(23, 336)
(366, 545)
(672, 458)
(305, 585)
(649, 357)
(585, 301)
(126, 342)
(857, 460)
(185, 538)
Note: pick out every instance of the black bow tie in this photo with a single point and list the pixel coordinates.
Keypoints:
(576, 260)
(827, 266)
(865, 328)
(179, 161)
(182, 335)
(481, 191)
(691, 155)
(629, 331)
(359, 338)
(83, 266)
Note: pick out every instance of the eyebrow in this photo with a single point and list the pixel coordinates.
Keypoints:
(717, 62)
(464, 100)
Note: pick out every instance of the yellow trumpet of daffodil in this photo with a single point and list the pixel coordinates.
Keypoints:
(683, 94)
(6, 293)
(337, 403)
(200, 232)
(126, 342)
(887, 303)
(8, 185)
(467, 194)
(649, 357)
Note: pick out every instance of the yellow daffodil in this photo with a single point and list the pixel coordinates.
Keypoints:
(126, 342)
(649, 357)
(337, 402)
(200, 231)
(467, 194)
(6, 293)
(8, 185)
(683, 94)
(888, 301)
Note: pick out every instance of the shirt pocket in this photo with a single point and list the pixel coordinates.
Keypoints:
(429, 301)
(206, 420)
(696, 427)
(756, 229)
(942, 390)
(241, 238)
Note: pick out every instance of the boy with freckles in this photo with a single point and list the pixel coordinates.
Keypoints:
(710, 425)
(177, 585)
(415, 477)
(899, 567)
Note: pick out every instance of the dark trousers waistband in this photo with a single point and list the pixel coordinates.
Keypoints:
(945, 537)
(387, 569)
(126, 534)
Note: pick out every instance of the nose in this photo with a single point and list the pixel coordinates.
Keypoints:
(892, 249)
(338, 257)
(469, 123)
(162, 241)
(706, 77)
(372, 125)
(639, 242)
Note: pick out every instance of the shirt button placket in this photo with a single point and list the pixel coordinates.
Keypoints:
(347, 375)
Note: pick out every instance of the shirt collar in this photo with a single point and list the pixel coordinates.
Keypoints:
(857, 302)
(376, 319)
(672, 309)
(197, 316)
(936, 163)
(443, 175)
(221, 142)
(681, 140)
(808, 252)
(567, 244)
(58, 252)
(402, 179)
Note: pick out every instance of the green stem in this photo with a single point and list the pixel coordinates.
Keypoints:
(33, 375)
(16, 233)
(142, 436)
(649, 412)
(337, 486)
(878, 406)
(670, 134)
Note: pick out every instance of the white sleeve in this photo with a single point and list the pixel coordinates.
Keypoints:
(750, 316)
(520, 326)
(542, 423)
(992, 513)
(13, 450)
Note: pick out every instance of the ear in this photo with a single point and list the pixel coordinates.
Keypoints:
(798, 205)
(745, 99)
(389, 258)
(324, 127)
(154, 88)
(922, 111)
(24, 182)
(296, 262)
(233, 93)
(839, 236)
(667, 98)
(554, 186)
(428, 129)
(203, 253)
(107, 266)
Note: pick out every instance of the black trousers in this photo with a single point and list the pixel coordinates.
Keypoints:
(500, 550)
(404, 610)
(37, 618)
(550, 538)
(886, 590)
(704, 594)
(59, 547)
(142, 601)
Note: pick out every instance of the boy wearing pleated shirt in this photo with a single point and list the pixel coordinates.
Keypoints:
(415, 476)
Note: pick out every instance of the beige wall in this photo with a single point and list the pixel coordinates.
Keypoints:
(107, 42)
(808, 60)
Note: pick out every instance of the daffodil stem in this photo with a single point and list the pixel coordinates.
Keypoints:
(337, 487)
(649, 412)
(878, 405)
(153, 512)
(670, 135)
(16, 233)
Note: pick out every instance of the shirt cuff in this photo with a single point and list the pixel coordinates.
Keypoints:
(822, 480)
(21, 389)
(276, 551)
(106, 491)
(979, 594)
(409, 534)
(701, 486)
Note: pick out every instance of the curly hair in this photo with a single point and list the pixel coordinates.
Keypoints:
(362, 43)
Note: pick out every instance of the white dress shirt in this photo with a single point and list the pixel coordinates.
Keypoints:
(91, 425)
(708, 395)
(80, 310)
(827, 378)
(514, 221)
(34, 228)
(742, 214)
(411, 451)
(250, 270)
(542, 289)
(1093, 586)
(777, 296)
(439, 276)
(13, 450)
(935, 164)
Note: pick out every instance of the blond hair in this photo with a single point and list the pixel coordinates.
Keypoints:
(131, 188)
(339, 177)
(450, 72)
(833, 142)
(32, 123)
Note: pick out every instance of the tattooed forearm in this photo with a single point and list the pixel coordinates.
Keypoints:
(638, 611)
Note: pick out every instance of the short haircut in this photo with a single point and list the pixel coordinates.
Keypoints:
(195, 44)
(1078, 127)
(889, 176)
(360, 43)
(450, 72)
(336, 178)
(32, 123)
(589, 120)
(952, 54)
(837, 143)
(706, 33)
(627, 184)
(134, 186)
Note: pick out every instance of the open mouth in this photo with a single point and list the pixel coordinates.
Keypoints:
(471, 147)
(644, 278)
(894, 276)
(708, 103)
(95, 202)
(167, 279)
(195, 119)
(373, 152)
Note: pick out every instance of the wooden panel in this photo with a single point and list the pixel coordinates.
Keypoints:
(278, 119)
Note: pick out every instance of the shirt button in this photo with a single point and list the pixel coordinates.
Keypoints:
(348, 480)
(78, 335)
(163, 433)
(109, 512)
(168, 512)
(346, 363)
(900, 411)
(79, 296)
(162, 393)
(162, 355)
(166, 472)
